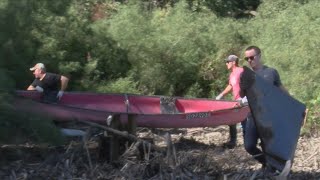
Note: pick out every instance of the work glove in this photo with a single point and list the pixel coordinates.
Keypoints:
(60, 94)
(39, 89)
(219, 96)
(243, 101)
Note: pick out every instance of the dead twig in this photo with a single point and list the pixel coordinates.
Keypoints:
(315, 152)
(171, 153)
(131, 150)
(121, 133)
(146, 151)
(305, 117)
(85, 140)
(13, 175)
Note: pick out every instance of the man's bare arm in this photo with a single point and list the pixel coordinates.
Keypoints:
(64, 83)
(31, 88)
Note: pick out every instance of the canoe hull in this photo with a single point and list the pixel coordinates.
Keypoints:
(145, 110)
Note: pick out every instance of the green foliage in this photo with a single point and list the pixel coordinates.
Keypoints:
(20, 128)
(232, 8)
(287, 32)
(121, 85)
(60, 35)
(168, 47)
(313, 115)
(288, 42)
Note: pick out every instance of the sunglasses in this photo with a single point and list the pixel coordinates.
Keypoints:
(251, 58)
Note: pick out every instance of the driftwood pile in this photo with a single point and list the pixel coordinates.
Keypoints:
(179, 154)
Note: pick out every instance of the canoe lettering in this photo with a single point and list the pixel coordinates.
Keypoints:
(198, 115)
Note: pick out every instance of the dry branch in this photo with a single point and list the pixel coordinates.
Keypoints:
(122, 134)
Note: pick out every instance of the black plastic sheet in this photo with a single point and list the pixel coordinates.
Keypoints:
(277, 115)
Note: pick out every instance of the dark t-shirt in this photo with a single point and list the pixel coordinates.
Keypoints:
(269, 74)
(50, 84)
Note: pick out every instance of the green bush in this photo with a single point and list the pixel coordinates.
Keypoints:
(121, 85)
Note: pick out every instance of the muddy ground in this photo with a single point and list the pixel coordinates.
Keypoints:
(196, 153)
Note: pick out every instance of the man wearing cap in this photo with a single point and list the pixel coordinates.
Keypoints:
(232, 63)
(51, 85)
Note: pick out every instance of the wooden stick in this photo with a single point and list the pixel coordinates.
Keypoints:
(305, 117)
(121, 133)
(85, 140)
(313, 154)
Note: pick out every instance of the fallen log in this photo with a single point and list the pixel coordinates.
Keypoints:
(124, 134)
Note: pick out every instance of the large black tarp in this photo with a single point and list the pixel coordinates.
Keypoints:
(277, 115)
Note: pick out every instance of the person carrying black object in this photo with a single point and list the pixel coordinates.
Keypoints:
(51, 85)
(232, 63)
(253, 57)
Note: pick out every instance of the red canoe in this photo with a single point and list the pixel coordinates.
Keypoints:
(148, 111)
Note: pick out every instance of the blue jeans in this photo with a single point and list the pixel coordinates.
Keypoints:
(251, 137)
